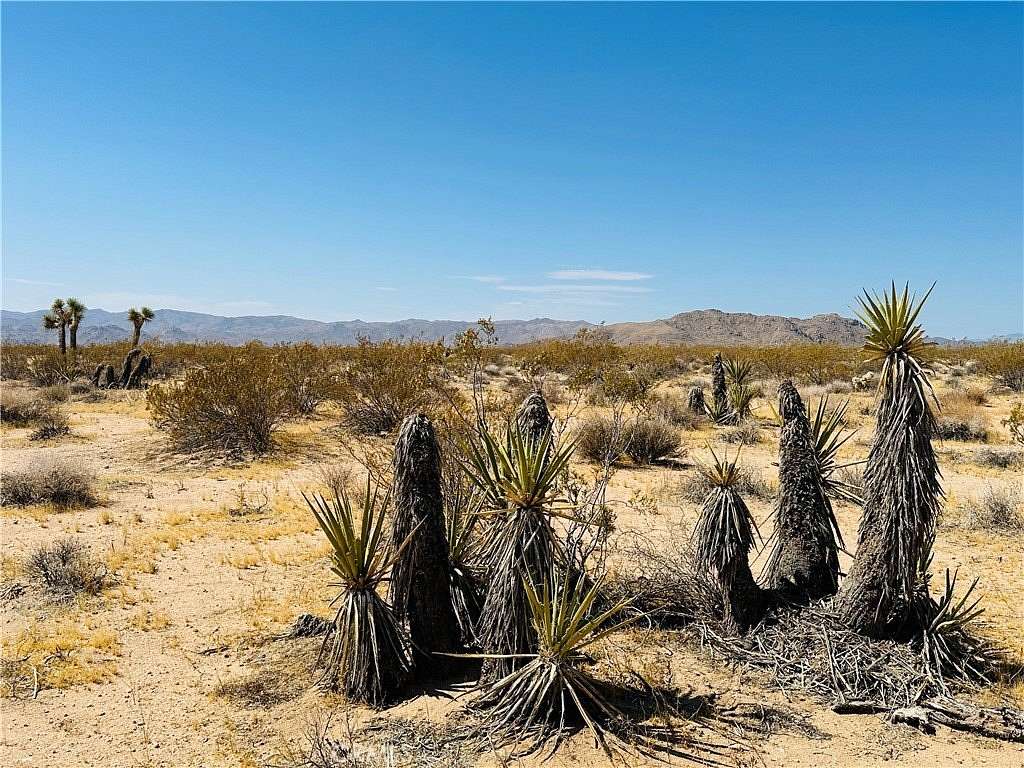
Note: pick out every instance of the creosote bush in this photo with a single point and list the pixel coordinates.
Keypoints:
(598, 440)
(236, 405)
(999, 510)
(61, 483)
(19, 408)
(649, 440)
(746, 433)
(53, 423)
(66, 568)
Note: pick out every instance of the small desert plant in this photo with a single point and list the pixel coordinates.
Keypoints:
(306, 376)
(1015, 423)
(695, 486)
(971, 429)
(695, 401)
(746, 433)
(648, 440)
(998, 459)
(551, 691)
(61, 483)
(998, 510)
(366, 655)
(51, 424)
(236, 405)
(19, 408)
(720, 414)
(722, 540)
(66, 568)
(600, 440)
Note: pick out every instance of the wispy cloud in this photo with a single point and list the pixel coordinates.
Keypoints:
(482, 278)
(598, 274)
(388, 288)
(571, 288)
(25, 281)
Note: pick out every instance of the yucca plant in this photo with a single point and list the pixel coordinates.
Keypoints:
(722, 540)
(366, 656)
(739, 373)
(550, 692)
(720, 414)
(518, 479)
(57, 319)
(740, 399)
(138, 318)
(804, 561)
(827, 430)
(533, 417)
(421, 574)
(75, 314)
(466, 584)
(902, 481)
(719, 389)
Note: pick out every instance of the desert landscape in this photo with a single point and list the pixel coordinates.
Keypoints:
(167, 589)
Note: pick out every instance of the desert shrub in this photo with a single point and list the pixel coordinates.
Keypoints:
(746, 433)
(385, 382)
(695, 486)
(958, 428)
(674, 411)
(839, 387)
(648, 440)
(853, 477)
(975, 395)
(66, 568)
(236, 405)
(1004, 362)
(54, 481)
(998, 510)
(600, 440)
(56, 393)
(53, 423)
(998, 459)
(306, 375)
(1015, 423)
(19, 408)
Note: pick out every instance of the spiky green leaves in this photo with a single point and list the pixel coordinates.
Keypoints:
(827, 432)
(725, 531)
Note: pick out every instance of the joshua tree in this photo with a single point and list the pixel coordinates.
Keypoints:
(722, 541)
(57, 319)
(75, 313)
(719, 391)
(533, 417)
(695, 401)
(902, 481)
(804, 564)
(138, 318)
(518, 480)
(420, 582)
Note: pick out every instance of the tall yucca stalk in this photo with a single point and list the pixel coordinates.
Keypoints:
(420, 582)
(552, 692)
(366, 654)
(804, 563)
(902, 481)
(695, 401)
(518, 480)
(722, 541)
(719, 390)
(533, 417)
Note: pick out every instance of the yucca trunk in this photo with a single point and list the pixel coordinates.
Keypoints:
(73, 331)
(804, 563)
(420, 582)
(695, 401)
(902, 494)
(127, 366)
(533, 417)
(719, 390)
(136, 334)
(743, 600)
(62, 339)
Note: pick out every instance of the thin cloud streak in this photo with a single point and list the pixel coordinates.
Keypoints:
(24, 281)
(573, 288)
(597, 274)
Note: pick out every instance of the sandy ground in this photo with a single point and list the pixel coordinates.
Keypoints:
(177, 665)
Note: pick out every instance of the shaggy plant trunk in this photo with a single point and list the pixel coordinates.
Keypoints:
(97, 374)
(62, 339)
(695, 401)
(139, 372)
(128, 366)
(136, 335)
(902, 494)
(533, 417)
(420, 582)
(744, 602)
(108, 378)
(719, 391)
(804, 563)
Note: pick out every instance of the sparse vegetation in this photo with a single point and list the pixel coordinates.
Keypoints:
(62, 483)
(66, 568)
(999, 510)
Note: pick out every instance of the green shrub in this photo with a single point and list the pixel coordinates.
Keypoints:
(305, 372)
(649, 440)
(599, 440)
(236, 405)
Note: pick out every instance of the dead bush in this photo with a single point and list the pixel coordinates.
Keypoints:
(746, 433)
(59, 482)
(236, 405)
(674, 411)
(20, 408)
(998, 511)
(600, 440)
(66, 568)
(53, 423)
(649, 440)
(695, 487)
(998, 459)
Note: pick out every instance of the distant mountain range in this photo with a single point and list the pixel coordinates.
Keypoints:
(706, 326)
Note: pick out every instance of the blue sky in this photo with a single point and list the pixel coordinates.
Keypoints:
(604, 162)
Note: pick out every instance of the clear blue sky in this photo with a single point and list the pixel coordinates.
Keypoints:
(451, 161)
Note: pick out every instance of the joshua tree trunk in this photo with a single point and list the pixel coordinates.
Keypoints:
(127, 367)
(804, 563)
(63, 339)
(743, 600)
(719, 391)
(420, 584)
(136, 335)
(695, 401)
(533, 417)
(74, 339)
(902, 493)
(139, 372)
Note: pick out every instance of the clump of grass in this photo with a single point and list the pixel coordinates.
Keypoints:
(62, 483)
(66, 568)
(998, 510)
(998, 459)
(649, 440)
(599, 439)
(53, 423)
(746, 433)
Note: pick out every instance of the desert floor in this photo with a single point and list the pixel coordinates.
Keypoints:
(178, 664)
